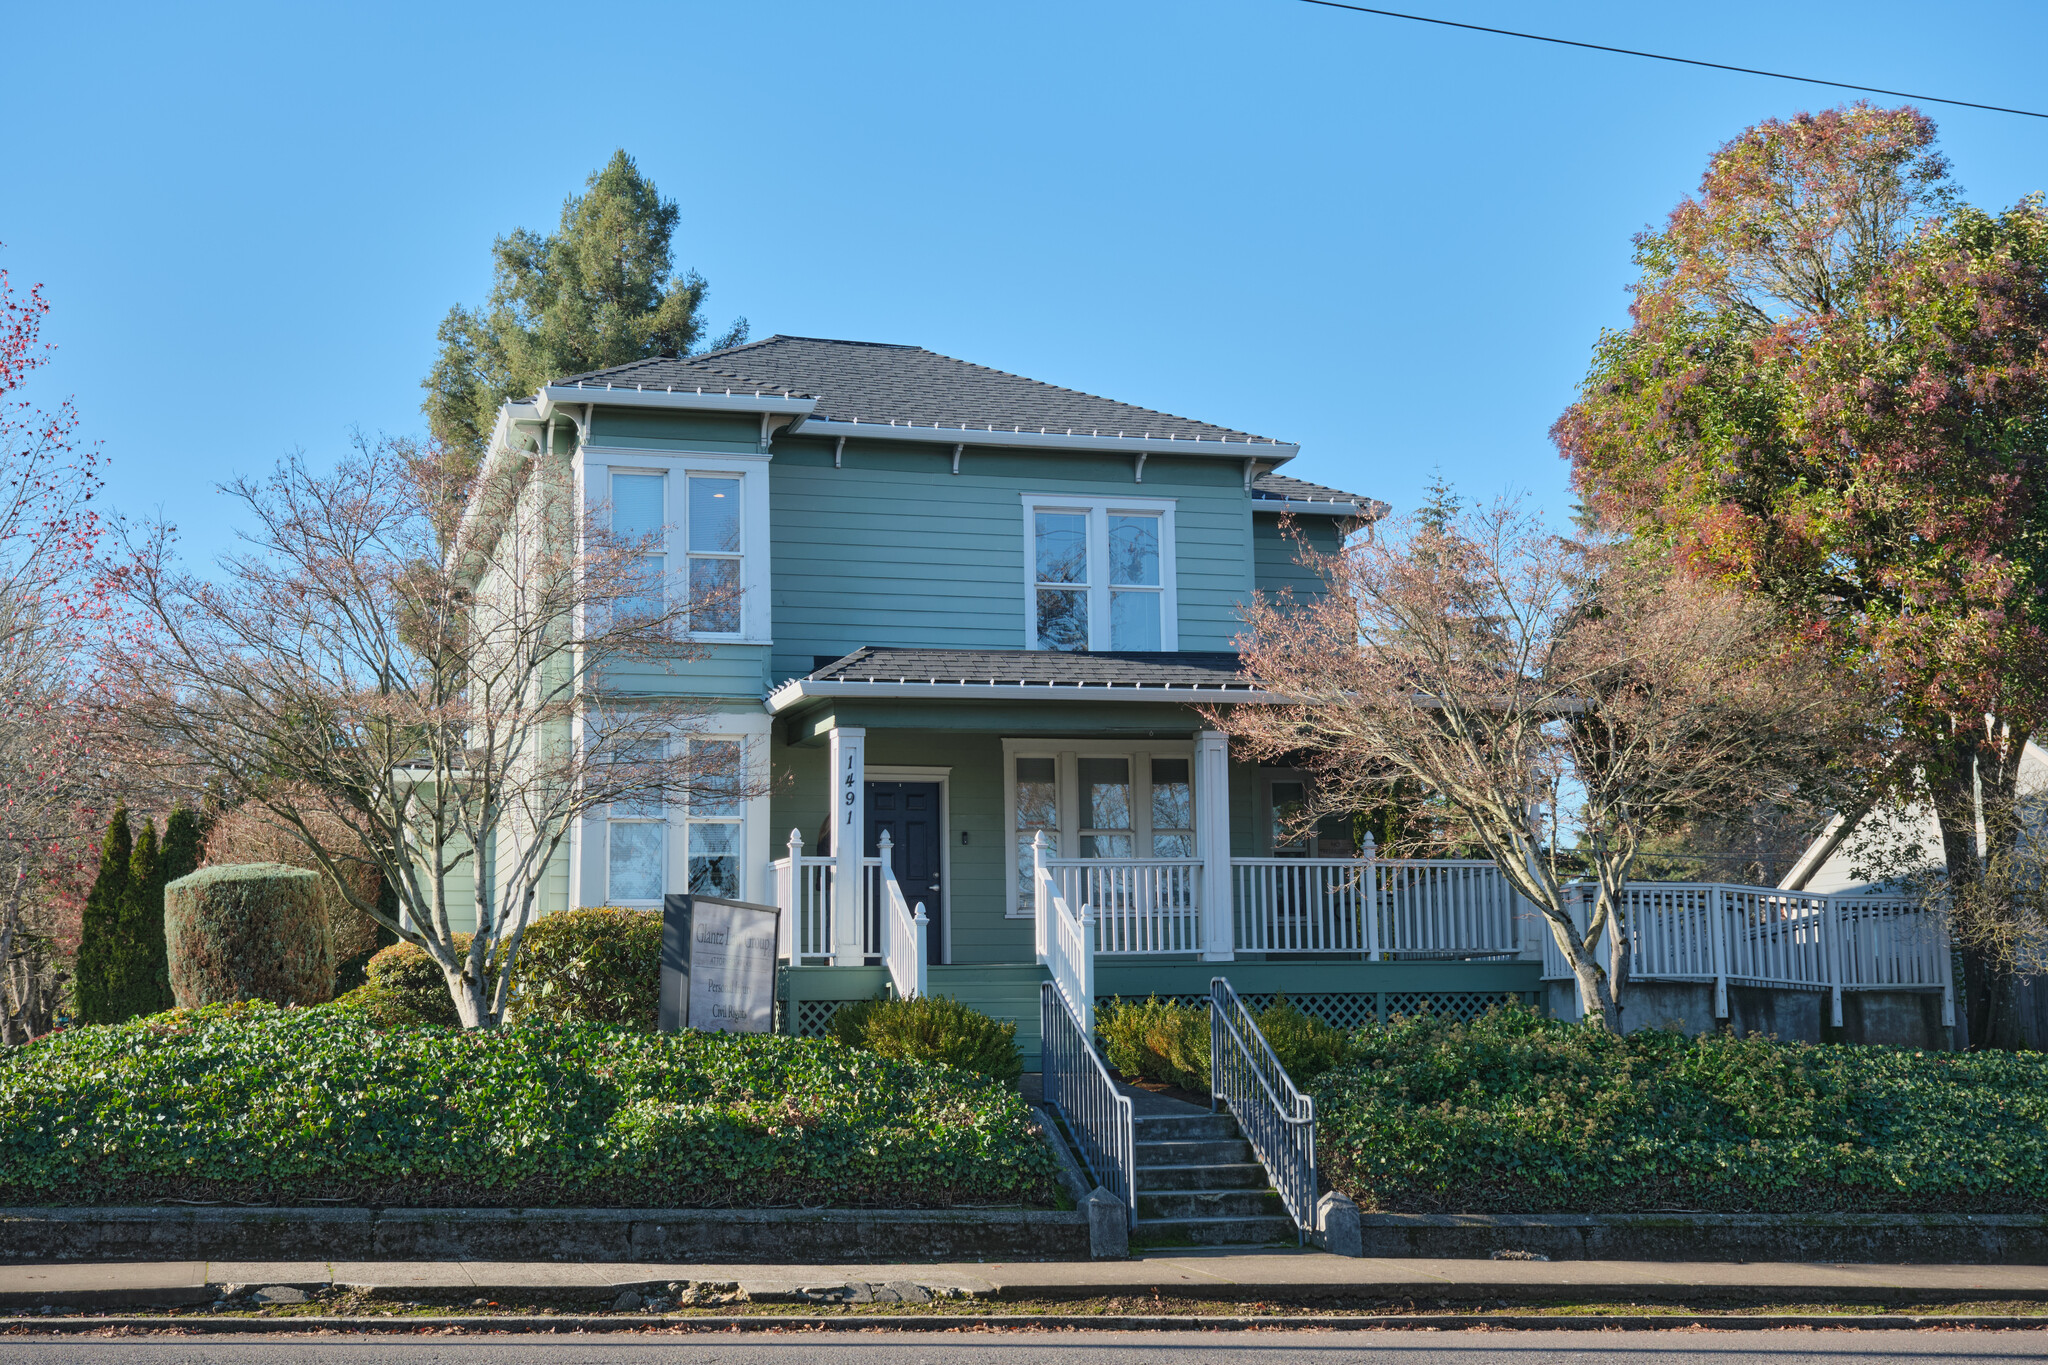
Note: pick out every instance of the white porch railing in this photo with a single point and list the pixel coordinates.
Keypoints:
(904, 931)
(1143, 905)
(1757, 936)
(1380, 907)
(804, 889)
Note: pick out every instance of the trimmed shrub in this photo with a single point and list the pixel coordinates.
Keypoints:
(931, 1028)
(1514, 1113)
(247, 834)
(257, 932)
(1168, 1042)
(406, 989)
(598, 966)
(1160, 1040)
(278, 1106)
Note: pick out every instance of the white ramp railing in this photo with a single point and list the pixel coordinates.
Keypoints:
(1727, 934)
(1380, 907)
(903, 931)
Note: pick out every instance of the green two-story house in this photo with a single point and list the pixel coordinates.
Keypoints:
(981, 621)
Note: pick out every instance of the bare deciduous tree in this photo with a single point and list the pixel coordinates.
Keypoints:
(440, 702)
(1486, 660)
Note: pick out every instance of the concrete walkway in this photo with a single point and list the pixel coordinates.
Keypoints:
(1273, 1276)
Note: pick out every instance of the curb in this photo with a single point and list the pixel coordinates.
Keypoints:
(1449, 1322)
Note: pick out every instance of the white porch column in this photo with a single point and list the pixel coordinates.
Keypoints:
(1212, 838)
(849, 826)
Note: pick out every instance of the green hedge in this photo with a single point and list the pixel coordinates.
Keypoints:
(932, 1028)
(256, 1103)
(600, 965)
(1513, 1113)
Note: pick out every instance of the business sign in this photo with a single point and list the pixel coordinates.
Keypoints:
(718, 964)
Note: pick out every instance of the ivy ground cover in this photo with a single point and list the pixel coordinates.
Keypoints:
(261, 1104)
(1513, 1113)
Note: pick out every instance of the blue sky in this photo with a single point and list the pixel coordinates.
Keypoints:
(1390, 242)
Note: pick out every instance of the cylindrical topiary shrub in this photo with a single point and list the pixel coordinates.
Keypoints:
(254, 931)
(600, 965)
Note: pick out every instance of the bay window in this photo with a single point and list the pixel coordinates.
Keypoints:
(705, 522)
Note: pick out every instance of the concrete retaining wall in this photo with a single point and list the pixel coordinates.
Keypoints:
(1896, 1018)
(1896, 1238)
(663, 1235)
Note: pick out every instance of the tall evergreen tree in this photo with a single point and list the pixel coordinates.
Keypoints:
(144, 961)
(178, 857)
(100, 947)
(602, 290)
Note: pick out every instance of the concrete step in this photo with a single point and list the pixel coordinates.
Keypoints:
(1212, 1232)
(1217, 1152)
(1182, 1204)
(1245, 1175)
(1186, 1128)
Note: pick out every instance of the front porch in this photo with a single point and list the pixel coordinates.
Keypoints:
(926, 826)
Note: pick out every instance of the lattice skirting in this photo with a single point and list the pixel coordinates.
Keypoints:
(812, 1016)
(1350, 1010)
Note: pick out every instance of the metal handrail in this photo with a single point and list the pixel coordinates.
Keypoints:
(1278, 1120)
(1079, 1090)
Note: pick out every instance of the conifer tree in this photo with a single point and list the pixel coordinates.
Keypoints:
(178, 857)
(145, 960)
(100, 947)
(602, 290)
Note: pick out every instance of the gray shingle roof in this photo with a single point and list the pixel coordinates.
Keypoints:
(1106, 669)
(1279, 490)
(874, 382)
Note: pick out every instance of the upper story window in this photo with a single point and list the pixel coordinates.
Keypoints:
(1100, 575)
(708, 527)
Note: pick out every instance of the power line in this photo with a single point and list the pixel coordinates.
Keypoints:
(1661, 57)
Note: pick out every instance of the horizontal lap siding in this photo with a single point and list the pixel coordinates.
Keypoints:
(894, 549)
(737, 672)
(1276, 554)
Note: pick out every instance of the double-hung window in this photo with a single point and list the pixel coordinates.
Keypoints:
(713, 816)
(1099, 575)
(636, 842)
(640, 518)
(714, 551)
(710, 528)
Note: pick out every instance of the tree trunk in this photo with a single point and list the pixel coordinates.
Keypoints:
(1990, 986)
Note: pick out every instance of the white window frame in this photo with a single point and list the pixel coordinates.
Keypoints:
(1098, 510)
(590, 851)
(1066, 755)
(756, 622)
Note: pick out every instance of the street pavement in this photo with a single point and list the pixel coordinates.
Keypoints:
(1783, 1347)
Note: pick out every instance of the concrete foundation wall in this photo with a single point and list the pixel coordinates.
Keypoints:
(1890, 1018)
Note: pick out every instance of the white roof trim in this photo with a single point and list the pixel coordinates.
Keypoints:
(668, 396)
(828, 427)
(803, 689)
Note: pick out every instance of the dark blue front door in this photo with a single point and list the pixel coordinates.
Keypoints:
(910, 812)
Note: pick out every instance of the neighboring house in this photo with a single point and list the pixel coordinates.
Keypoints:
(977, 608)
(1839, 859)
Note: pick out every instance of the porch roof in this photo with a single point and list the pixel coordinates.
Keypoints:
(1024, 674)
